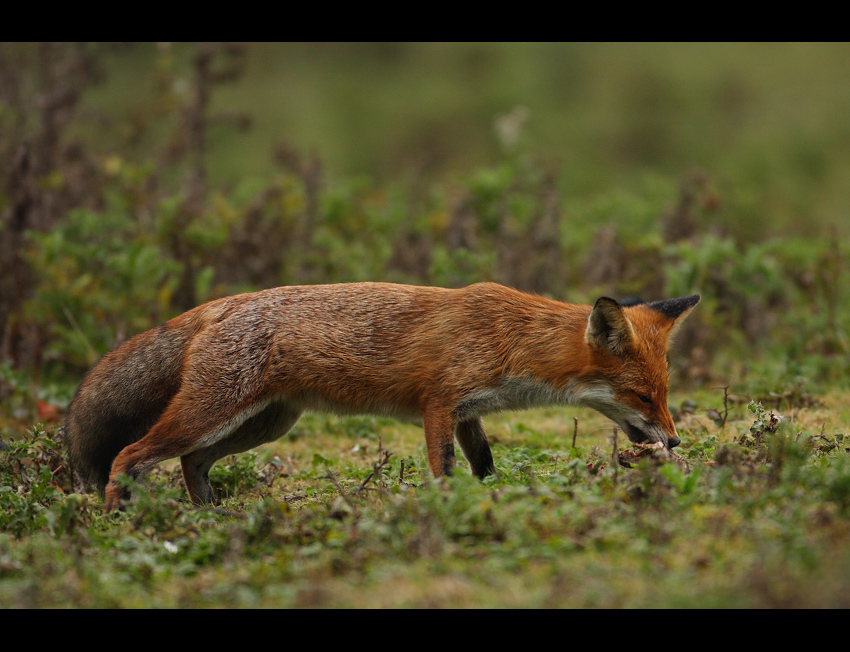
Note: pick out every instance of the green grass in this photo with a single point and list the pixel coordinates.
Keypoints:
(754, 519)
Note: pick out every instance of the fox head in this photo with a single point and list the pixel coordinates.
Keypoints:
(628, 350)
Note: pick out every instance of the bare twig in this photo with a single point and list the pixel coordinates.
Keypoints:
(375, 469)
(575, 430)
(721, 417)
(330, 476)
(615, 456)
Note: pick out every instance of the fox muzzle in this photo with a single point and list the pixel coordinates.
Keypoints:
(639, 436)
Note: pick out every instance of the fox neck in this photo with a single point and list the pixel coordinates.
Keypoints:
(549, 348)
(542, 359)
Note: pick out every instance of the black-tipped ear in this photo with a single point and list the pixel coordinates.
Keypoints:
(609, 328)
(674, 308)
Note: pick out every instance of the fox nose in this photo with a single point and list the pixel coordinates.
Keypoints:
(673, 442)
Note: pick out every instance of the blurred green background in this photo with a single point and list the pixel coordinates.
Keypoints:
(773, 117)
(142, 179)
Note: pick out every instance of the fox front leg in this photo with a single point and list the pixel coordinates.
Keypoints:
(440, 425)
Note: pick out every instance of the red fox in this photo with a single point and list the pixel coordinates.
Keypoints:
(239, 371)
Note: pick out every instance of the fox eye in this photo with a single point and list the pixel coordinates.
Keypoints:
(643, 398)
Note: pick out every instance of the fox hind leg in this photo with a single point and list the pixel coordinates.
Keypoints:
(268, 425)
(187, 426)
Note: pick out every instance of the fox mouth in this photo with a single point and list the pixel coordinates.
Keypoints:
(638, 436)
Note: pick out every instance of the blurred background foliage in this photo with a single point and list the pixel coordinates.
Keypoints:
(138, 180)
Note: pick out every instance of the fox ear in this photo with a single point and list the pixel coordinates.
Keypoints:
(675, 310)
(608, 327)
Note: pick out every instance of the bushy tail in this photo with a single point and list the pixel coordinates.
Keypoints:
(121, 399)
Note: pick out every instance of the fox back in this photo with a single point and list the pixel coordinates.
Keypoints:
(239, 371)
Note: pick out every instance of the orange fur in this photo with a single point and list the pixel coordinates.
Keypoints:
(239, 371)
